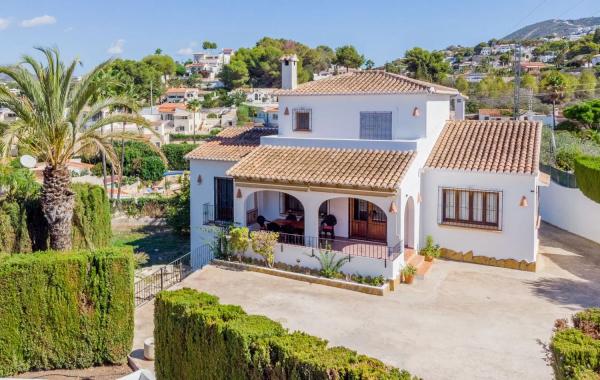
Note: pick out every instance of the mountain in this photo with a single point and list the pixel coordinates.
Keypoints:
(559, 28)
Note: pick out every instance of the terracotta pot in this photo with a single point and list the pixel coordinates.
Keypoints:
(429, 258)
(408, 279)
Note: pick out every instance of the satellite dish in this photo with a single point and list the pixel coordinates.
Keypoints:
(28, 161)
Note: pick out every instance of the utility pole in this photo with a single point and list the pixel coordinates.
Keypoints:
(517, 71)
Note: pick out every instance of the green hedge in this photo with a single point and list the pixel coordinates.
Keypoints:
(577, 350)
(587, 172)
(194, 334)
(152, 206)
(65, 310)
(23, 227)
(175, 154)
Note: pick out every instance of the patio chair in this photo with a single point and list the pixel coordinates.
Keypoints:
(328, 226)
(291, 217)
(261, 220)
(273, 227)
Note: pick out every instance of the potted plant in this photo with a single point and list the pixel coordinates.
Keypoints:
(408, 273)
(431, 250)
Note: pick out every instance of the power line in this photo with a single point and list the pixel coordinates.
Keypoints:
(529, 14)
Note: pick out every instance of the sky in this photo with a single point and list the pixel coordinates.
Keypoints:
(382, 30)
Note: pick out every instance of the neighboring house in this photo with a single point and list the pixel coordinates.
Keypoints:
(495, 114)
(533, 67)
(260, 96)
(268, 116)
(377, 153)
(595, 60)
(547, 58)
(475, 77)
(486, 50)
(503, 48)
(178, 118)
(182, 94)
(209, 65)
(7, 115)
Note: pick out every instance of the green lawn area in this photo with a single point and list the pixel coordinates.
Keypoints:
(162, 246)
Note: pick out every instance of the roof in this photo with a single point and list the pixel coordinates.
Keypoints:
(495, 112)
(533, 64)
(379, 170)
(367, 82)
(231, 144)
(171, 107)
(174, 90)
(488, 146)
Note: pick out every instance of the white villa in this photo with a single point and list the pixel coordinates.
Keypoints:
(386, 160)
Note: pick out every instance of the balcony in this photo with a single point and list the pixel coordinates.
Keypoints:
(216, 215)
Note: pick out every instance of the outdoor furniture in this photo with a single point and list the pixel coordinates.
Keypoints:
(273, 227)
(261, 220)
(328, 226)
(291, 217)
(296, 225)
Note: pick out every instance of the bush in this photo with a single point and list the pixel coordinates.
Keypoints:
(23, 227)
(65, 310)
(195, 334)
(175, 154)
(587, 173)
(152, 169)
(151, 206)
(178, 210)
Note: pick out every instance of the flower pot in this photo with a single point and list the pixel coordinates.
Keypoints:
(429, 258)
(408, 279)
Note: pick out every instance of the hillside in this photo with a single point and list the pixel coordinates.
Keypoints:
(560, 28)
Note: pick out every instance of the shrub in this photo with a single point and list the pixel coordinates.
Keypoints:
(175, 154)
(431, 250)
(152, 168)
(65, 310)
(178, 210)
(212, 115)
(239, 240)
(263, 244)
(587, 173)
(151, 206)
(566, 156)
(91, 217)
(195, 334)
(331, 265)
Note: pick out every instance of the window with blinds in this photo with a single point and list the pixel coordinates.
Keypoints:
(471, 208)
(376, 125)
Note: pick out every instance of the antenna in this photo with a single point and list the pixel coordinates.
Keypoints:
(517, 70)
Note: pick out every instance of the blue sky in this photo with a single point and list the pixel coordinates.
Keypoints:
(382, 30)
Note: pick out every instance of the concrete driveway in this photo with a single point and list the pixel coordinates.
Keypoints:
(464, 321)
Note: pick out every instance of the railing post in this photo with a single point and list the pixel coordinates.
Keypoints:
(161, 278)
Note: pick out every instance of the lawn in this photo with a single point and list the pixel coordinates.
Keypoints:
(161, 245)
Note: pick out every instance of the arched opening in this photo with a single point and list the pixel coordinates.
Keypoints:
(274, 211)
(409, 223)
(352, 218)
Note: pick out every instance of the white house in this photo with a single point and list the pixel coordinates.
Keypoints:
(209, 65)
(376, 155)
(182, 94)
(178, 118)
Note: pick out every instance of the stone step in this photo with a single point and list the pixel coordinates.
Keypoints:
(418, 261)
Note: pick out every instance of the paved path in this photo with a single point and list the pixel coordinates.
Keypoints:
(464, 321)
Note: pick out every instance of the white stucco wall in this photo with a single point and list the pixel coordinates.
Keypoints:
(201, 193)
(570, 210)
(518, 238)
(339, 116)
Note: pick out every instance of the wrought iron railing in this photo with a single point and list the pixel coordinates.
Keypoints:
(352, 247)
(147, 287)
(560, 177)
(216, 215)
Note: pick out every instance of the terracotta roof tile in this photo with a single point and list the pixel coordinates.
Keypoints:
(330, 167)
(367, 82)
(171, 107)
(231, 144)
(488, 146)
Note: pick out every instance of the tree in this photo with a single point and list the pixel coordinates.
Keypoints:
(178, 212)
(425, 65)
(152, 169)
(369, 64)
(158, 51)
(175, 154)
(529, 82)
(161, 63)
(234, 75)
(55, 124)
(555, 85)
(461, 85)
(479, 47)
(179, 69)
(144, 77)
(504, 59)
(596, 37)
(586, 113)
(587, 83)
(193, 106)
(206, 45)
(347, 56)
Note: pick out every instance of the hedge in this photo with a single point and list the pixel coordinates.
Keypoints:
(65, 310)
(175, 154)
(23, 227)
(576, 350)
(151, 206)
(194, 334)
(587, 172)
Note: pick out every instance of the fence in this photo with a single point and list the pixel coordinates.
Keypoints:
(560, 177)
(170, 274)
(212, 215)
(351, 247)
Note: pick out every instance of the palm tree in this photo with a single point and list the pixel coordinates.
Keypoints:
(55, 123)
(555, 85)
(193, 106)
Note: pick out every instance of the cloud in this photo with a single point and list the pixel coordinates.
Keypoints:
(69, 29)
(185, 51)
(116, 47)
(4, 23)
(38, 21)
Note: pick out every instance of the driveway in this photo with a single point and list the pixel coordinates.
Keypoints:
(464, 321)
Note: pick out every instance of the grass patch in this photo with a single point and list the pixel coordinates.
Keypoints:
(161, 245)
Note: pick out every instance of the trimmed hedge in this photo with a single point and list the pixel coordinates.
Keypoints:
(23, 227)
(194, 334)
(65, 310)
(577, 350)
(175, 154)
(587, 172)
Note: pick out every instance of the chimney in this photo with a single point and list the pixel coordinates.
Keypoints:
(289, 72)
(459, 107)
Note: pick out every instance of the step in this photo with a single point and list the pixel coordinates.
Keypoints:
(418, 261)
(423, 269)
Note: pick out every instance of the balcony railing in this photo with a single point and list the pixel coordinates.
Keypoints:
(215, 215)
(350, 247)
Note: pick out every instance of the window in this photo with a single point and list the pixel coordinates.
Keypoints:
(302, 119)
(289, 204)
(376, 125)
(471, 207)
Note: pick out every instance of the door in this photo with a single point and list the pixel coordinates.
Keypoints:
(223, 199)
(367, 221)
